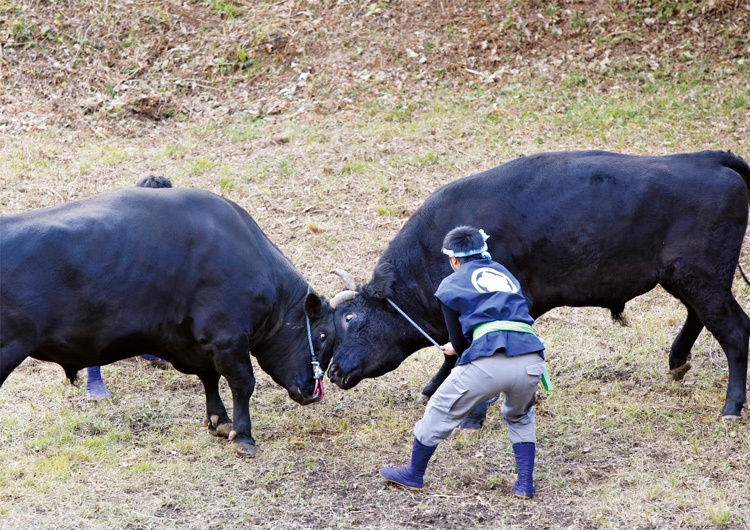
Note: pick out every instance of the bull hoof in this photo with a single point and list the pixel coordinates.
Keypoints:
(222, 431)
(679, 372)
(468, 434)
(156, 362)
(245, 449)
(423, 399)
(161, 364)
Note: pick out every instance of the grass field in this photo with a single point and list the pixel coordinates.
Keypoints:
(621, 445)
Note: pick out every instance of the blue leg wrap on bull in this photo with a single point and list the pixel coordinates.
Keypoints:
(95, 387)
(476, 417)
(411, 476)
(525, 454)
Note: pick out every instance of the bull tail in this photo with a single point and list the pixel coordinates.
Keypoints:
(739, 166)
(743, 274)
(618, 314)
(71, 374)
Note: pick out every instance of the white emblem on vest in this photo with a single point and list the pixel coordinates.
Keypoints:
(486, 280)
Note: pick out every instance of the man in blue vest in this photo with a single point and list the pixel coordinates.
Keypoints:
(489, 327)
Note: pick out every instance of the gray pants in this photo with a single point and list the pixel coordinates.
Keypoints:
(482, 379)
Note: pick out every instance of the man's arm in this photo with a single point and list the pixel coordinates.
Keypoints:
(455, 334)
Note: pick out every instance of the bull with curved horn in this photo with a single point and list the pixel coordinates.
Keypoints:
(578, 229)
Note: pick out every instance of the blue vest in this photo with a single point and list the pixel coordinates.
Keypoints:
(484, 291)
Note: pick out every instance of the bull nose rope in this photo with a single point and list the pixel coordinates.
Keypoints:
(423, 332)
(317, 371)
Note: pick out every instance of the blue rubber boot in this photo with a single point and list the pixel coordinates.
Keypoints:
(411, 476)
(94, 385)
(525, 454)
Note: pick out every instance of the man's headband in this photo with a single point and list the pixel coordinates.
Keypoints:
(482, 251)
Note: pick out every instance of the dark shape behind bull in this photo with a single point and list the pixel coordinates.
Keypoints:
(181, 273)
(95, 387)
(586, 228)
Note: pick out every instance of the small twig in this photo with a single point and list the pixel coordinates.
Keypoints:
(482, 74)
(97, 132)
(166, 12)
(193, 81)
(359, 11)
(54, 192)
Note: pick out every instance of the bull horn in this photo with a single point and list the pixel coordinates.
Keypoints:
(343, 296)
(349, 282)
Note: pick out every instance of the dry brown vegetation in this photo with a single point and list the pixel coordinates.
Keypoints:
(330, 122)
(69, 61)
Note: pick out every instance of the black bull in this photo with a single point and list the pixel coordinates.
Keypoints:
(182, 274)
(577, 229)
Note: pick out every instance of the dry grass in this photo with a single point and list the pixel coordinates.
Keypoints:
(620, 444)
(104, 65)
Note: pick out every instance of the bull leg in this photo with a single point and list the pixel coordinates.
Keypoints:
(11, 356)
(438, 378)
(731, 327)
(717, 308)
(242, 389)
(679, 354)
(217, 419)
(474, 421)
(237, 369)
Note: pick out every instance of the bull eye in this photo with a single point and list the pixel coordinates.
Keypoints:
(348, 317)
(322, 337)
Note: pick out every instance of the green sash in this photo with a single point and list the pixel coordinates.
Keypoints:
(511, 325)
(501, 325)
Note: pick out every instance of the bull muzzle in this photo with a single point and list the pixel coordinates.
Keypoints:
(342, 380)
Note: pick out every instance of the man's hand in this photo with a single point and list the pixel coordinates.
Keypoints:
(448, 349)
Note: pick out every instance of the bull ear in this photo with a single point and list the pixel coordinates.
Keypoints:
(313, 305)
(383, 280)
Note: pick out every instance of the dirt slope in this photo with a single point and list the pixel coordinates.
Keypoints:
(67, 61)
